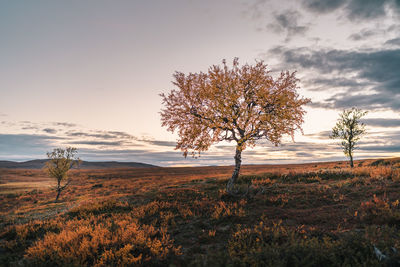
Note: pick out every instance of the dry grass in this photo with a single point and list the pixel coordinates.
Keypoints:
(182, 216)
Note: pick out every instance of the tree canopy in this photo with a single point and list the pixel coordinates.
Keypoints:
(241, 104)
(59, 163)
(349, 129)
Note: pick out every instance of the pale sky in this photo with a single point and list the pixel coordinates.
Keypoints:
(89, 73)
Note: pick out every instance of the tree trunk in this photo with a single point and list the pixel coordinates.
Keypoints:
(351, 160)
(58, 195)
(235, 174)
(58, 189)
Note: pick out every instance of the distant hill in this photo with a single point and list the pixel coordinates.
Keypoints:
(39, 163)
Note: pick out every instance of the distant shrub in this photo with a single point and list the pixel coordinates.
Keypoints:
(386, 162)
(300, 176)
(277, 245)
(96, 208)
(13, 195)
(380, 162)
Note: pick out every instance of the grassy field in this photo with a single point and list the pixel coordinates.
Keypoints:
(320, 214)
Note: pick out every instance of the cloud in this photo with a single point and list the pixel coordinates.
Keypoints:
(120, 134)
(50, 130)
(65, 124)
(362, 9)
(383, 100)
(353, 10)
(383, 142)
(304, 154)
(91, 144)
(49, 127)
(101, 134)
(321, 135)
(380, 122)
(23, 146)
(323, 6)
(384, 148)
(394, 42)
(97, 143)
(350, 12)
(94, 145)
(375, 69)
(308, 147)
(287, 22)
(290, 148)
(28, 125)
(364, 34)
(30, 128)
(163, 158)
(159, 142)
(320, 84)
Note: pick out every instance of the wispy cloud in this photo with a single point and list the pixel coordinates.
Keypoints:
(393, 42)
(364, 34)
(50, 130)
(158, 142)
(65, 124)
(100, 134)
(382, 122)
(288, 22)
(97, 143)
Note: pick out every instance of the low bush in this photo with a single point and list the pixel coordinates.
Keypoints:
(277, 245)
(379, 211)
(102, 241)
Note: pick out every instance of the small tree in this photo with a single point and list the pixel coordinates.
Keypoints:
(240, 104)
(349, 129)
(59, 163)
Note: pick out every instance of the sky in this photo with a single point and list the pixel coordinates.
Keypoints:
(89, 73)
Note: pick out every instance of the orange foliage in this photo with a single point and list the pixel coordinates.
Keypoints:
(241, 104)
(223, 209)
(103, 241)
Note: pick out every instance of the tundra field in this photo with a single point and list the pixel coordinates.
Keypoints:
(317, 214)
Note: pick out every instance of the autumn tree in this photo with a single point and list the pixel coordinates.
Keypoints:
(59, 163)
(349, 129)
(239, 104)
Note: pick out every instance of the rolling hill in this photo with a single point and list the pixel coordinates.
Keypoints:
(39, 163)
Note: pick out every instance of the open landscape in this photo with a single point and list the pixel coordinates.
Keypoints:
(315, 214)
(200, 133)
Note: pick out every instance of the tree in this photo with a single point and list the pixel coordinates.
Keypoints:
(240, 104)
(349, 129)
(59, 163)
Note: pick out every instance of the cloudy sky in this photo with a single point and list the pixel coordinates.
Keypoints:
(89, 73)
